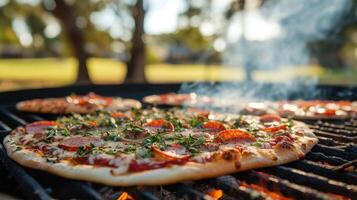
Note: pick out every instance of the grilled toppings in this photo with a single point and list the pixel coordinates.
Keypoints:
(235, 135)
(154, 138)
(213, 126)
(160, 125)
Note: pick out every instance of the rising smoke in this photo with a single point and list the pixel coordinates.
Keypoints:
(274, 35)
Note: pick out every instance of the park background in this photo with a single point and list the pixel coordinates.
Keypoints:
(50, 43)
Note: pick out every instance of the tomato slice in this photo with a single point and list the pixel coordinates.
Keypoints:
(327, 112)
(39, 127)
(73, 143)
(274, 129)
(213, 126)
(160, 124)
(119, 115)
(235, 135)
(270, 118)
(164, 155)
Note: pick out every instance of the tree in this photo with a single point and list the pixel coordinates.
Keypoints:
(65, 14)
(136, 63)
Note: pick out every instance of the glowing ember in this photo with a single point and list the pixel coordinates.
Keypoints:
(265, 191)
(215, 194)
(125, 196)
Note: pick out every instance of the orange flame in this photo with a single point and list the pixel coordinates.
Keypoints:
(215, 194)
(125, 196)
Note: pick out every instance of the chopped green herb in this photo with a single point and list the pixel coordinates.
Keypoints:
(110, 121)
(130, 149)
(132, 128)
(257, 144)
(155, 139)
(196, 122)
(63, 131)
(50, 134)
(83, 151)
(191, 143)
(111, 137)
(290, 123)
(177, 124)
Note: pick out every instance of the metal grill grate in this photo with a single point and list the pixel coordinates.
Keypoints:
(330, 168)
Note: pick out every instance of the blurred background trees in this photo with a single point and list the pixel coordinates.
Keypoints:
(117, 29)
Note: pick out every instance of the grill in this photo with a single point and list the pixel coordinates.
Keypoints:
(327, 172)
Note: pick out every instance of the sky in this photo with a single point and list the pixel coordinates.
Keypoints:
(162, 15)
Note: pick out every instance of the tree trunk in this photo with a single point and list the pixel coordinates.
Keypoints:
(136, 64)
(65, 14)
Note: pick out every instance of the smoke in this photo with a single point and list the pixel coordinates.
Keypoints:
(274, 35)
(278, 33)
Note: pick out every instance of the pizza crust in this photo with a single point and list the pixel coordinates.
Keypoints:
(172, 174)
(55, 106)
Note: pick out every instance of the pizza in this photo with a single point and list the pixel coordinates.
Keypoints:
(303, 109)
(174, 99)
(156, 146)
(77, 104)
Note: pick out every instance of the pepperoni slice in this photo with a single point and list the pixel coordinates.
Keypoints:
(73, 143)
(274, 129)
(235, 135)
(39, 127)
(213, 126)
(270, 118)
(165, 155)
(136, 166)
(160, 124)
(119, 115)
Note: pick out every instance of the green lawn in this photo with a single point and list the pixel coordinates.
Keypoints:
(27, 73)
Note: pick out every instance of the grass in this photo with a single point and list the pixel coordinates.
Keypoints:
(29, 73)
